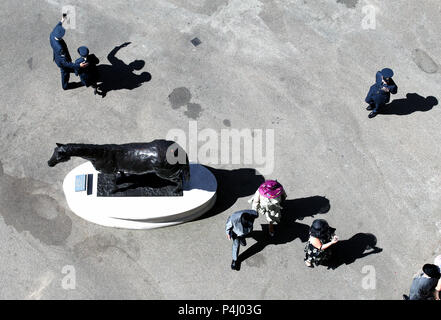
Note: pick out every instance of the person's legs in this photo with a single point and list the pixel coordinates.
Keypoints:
(376, 110)
(369, 100)
(271, 221)
(371, 105)
(377, 107)
(271, 228)
(65, 75)
(236, 246)
(235, 252)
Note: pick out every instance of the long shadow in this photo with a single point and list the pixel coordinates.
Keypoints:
(298, 209)
(412, 103)
(119, 75)
(347, 251)
(284, 233)
(232, 185)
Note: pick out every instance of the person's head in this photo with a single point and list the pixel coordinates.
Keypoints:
(144, 77)
(431, 270)
(248, 218)
(387, 74)
(83, 51)
(319, 228)
(137, 64)
(59, 32)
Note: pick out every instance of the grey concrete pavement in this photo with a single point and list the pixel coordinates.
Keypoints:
(300, 67)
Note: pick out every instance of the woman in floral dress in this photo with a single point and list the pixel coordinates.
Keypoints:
(321, 238)
(267, 201)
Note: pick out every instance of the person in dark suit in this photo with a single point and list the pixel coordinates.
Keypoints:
(379, 93)
(238, 225)
(88, 74)
(61, 54)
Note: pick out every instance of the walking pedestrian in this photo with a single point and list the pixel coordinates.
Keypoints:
(267, 201)
(379, 93)
(318, 247)
(238, 225)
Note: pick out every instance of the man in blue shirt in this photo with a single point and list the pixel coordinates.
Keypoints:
(61, 54)
(238, 225)
(379, 93)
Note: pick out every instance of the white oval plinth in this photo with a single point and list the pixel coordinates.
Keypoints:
(199, 196)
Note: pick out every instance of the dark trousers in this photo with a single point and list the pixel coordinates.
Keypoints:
(237, 242)
(65, 75)
(377, 106)
(373, 98)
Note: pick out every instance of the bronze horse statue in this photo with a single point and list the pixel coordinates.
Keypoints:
(163, 157)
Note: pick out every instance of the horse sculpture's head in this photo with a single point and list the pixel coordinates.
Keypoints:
(59, 155)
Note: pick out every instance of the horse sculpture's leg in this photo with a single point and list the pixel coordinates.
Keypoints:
(177, 181)
(178, 185)
(120, 176)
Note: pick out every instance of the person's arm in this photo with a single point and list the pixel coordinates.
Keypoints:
(327, 245)
(78, 63)
(65, 64)
(392, 87)
(379, 78)
(229, 228)
(254, 201)
(316, 243)
(437, 290)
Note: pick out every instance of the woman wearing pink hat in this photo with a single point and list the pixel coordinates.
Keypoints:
(267, 201)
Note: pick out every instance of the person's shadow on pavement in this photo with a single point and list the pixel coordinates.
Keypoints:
(232, 185)
(298, 209)
(412, 103)
(347, 251)
(119, 75)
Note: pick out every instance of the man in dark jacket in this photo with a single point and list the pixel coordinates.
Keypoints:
(379, 93)
(88, 74)
(238, 225)
(61, 54)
